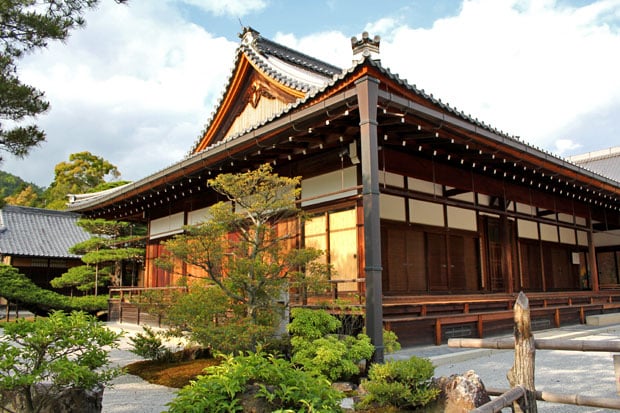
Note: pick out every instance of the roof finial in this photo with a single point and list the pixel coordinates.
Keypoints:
(365, 47)
(248, 33)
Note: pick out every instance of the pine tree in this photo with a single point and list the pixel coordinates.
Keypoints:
(26, 25)
(112, 244)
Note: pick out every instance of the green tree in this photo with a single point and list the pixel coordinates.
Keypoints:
(19, 192)
(84, 172)
(17, 288)
(40, 359)
(112, 244)
(26, 25)
(246, 251)
(26, 197)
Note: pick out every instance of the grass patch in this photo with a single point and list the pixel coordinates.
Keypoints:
(176, 374)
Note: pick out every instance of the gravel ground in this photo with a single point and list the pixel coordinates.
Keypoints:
(129, 393)
(563, 372)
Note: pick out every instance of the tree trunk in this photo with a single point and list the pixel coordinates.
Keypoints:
(522, 372)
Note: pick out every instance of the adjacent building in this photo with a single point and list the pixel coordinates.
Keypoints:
(37, 241)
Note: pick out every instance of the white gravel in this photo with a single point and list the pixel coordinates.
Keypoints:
(129, 393)
(563, 372)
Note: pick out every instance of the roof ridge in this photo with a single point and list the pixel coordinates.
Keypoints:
(257, 48)
(37, 211)
(611, 152)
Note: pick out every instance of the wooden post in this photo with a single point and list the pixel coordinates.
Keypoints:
(367, 89)
(522, 372)
(617, 371)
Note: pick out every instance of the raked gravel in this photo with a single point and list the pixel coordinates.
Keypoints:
(566, 372)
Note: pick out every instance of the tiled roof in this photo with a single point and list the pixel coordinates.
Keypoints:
(286, 66)
(39, 232)
(77, 204)
(605, 162)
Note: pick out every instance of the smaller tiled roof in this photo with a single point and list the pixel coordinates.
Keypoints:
(39, 232)
(605, 162)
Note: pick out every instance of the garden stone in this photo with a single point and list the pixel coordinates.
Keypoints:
(462, 393)
(71, 400)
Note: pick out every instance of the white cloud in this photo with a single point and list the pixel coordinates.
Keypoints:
(139, 82)
(331, 46)
(234, 8)
(563, 146)
(529, 68)
(135, 69)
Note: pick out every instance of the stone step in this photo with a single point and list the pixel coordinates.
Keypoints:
(603, 319)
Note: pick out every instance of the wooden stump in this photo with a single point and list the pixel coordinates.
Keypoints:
(522, 372)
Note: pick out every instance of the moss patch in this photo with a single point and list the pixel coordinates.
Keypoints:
(168, 374)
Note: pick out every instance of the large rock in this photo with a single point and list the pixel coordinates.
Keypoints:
(71, 400)
(462, 393)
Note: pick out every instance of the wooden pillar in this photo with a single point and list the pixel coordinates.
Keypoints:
(522, 372)
(592, 256)
(367, 95)
(506, 240)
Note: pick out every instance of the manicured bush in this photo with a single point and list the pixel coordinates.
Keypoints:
(149, 345)
(18, 288)
(400, 383)
(274, 380)
(318, 350)
(60, 352)
(312, 324)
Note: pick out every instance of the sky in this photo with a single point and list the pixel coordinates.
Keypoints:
(137, 85)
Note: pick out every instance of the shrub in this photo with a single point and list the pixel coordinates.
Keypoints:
(62, 351)
(401, 383)
(321, 352)
(312, 324)
(149, 345)
(16, 287)
(208, 317)
(390, 342)
(276, 381)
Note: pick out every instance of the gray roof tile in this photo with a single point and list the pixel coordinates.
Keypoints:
(39, 232)
(605, 162)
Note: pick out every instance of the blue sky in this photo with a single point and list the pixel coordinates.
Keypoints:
(138, 84)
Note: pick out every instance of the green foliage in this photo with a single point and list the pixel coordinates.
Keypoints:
(82, 277)
(16, 191)
(112, 243)
(390, 342)
(247, 253)
(276, 380)
(149, 345)
(321, 352)
(312, 324)
(81, 174)
(12, 184)
(65, 351)
(211, 318)
(400, 383)
(20, 289)
(332, 356)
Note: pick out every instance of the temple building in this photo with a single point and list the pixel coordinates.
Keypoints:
(433, 219)
(37, 241)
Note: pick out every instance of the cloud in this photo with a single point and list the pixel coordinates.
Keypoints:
(330, 46)
(233, 8)
(136, 86)
(127, 89)
(529, 68)
(562, 146)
